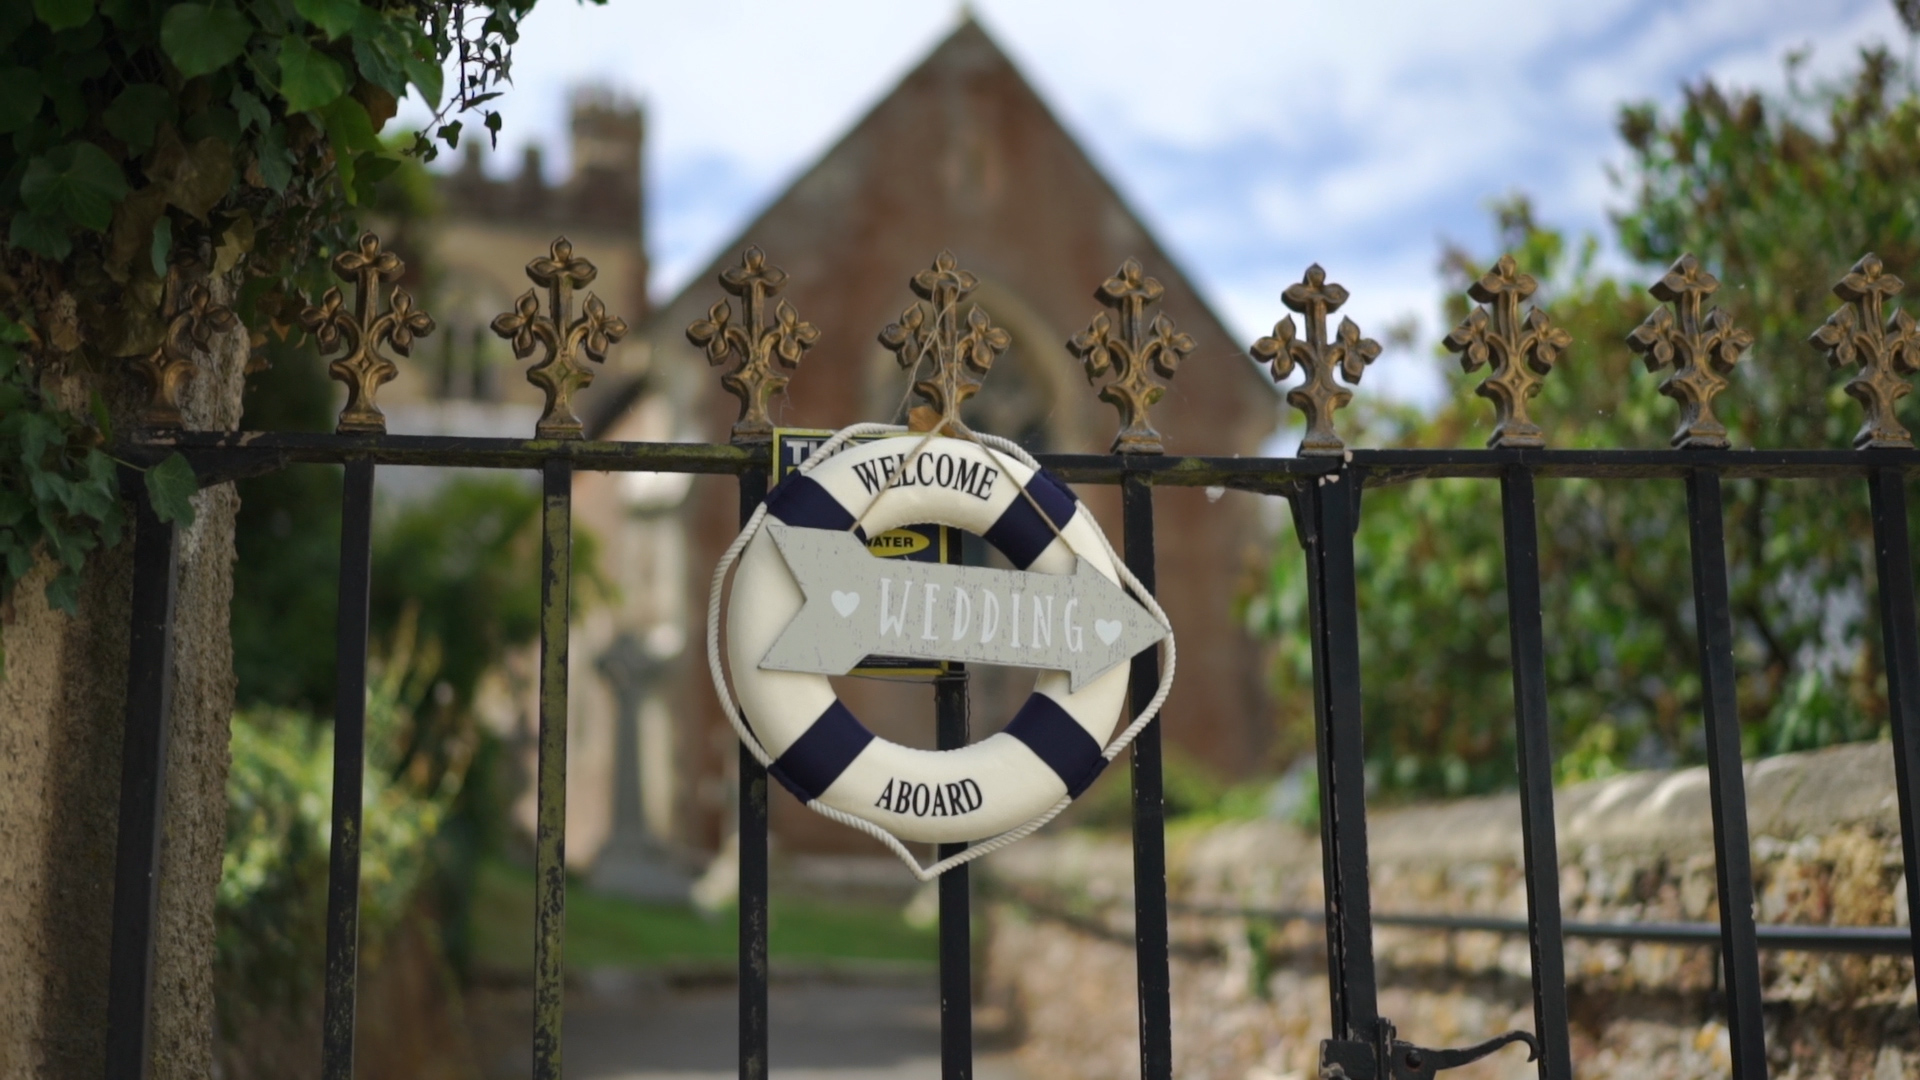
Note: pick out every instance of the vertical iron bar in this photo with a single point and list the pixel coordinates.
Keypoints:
(1532, 733)
(753, 868)
(1733, 861)
(143, 784)
(349, 767)
(1894, 570)
(1343, 775)
(1306, 527)
(550, 845)
(956, 911)
(1149, 809)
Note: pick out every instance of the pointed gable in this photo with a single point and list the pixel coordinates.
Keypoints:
(964, 155)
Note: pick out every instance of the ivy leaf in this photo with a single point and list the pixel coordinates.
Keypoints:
(427, 77)
(63, 592)
(248, 108)
(203, 38)
(276, 167)
(14, 20)
(195, 178)
(136, 115)
(350, 131)
(20, 98)
(162, 245)
(77, 182)
(309, 78)
(380, 61)
(63, 14)
(170, 487)
(335, 17)
(40, 235)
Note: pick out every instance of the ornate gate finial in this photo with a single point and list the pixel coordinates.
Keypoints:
(1700, 350)
(1521, 352)
(192, 320)
(362, 366)
(559, 373)
(1886, 351)
(1131, 353)
(756, 343)
(931, 330)
(1348, 353)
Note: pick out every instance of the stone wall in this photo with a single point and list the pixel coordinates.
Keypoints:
(1250, 998)
(61, 709)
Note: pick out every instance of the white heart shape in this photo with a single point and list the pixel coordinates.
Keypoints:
(847, 602)
(1108, 629)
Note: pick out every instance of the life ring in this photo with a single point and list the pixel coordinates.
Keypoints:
(1011, 782)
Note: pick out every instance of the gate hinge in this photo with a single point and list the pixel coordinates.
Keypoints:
(1397, 1059)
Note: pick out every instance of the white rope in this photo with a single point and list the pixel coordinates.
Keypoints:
(993, 445)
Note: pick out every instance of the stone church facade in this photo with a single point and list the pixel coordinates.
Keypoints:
(962, 155)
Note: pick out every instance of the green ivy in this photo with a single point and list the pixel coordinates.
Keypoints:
(59, 491)
(229, 138)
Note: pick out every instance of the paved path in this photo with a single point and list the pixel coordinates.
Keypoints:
(872, 1030)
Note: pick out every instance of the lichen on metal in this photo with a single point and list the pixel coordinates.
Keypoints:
(1519, 352)
(1886, 348)
(756, 344)
(192, 320)
(929, 330)
(1347, 352)
(361, 334)
(1701, 348)
(560, 374)
(1129, 351)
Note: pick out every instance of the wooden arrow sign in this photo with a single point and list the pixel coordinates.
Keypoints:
(859, 606)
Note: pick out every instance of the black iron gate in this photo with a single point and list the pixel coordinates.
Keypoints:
(1323, 485)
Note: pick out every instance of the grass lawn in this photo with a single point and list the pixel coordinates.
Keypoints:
(610, 931)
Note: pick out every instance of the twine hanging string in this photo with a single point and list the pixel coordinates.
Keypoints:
(995, 447)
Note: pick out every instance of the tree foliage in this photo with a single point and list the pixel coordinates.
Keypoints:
(1777, 196)
(223, 138)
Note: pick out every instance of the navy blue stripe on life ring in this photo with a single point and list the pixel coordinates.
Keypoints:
(803, 502)
(1021, 534)
(1057, 739)
(818, 757)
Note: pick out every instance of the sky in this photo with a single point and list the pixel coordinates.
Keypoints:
(1253, 138)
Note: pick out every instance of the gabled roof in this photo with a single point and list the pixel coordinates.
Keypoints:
(962, 154)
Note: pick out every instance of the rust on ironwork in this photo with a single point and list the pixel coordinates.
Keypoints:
(929, 330)
(1700, 348)
(560, 374)
(756, 344)
(1129, 351)
(1520, 351)
(1318, 357)
(361, 334)
(192, 320)
(1887, 349)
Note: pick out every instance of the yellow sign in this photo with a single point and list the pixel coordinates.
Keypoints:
(897, 542)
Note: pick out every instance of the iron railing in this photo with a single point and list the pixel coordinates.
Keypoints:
(1323, 486)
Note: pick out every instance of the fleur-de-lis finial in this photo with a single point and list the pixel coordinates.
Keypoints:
(757, 345)
(1887, 350)
(192, 320)
(1130, 352)
(361, 333)
(564, 338)
(931, 330)
(1521, 352)
(1700, 348)
(1347, 352)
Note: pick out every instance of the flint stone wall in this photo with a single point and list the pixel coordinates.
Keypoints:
(1250, 999)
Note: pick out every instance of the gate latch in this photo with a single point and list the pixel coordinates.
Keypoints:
(1397, 1059)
